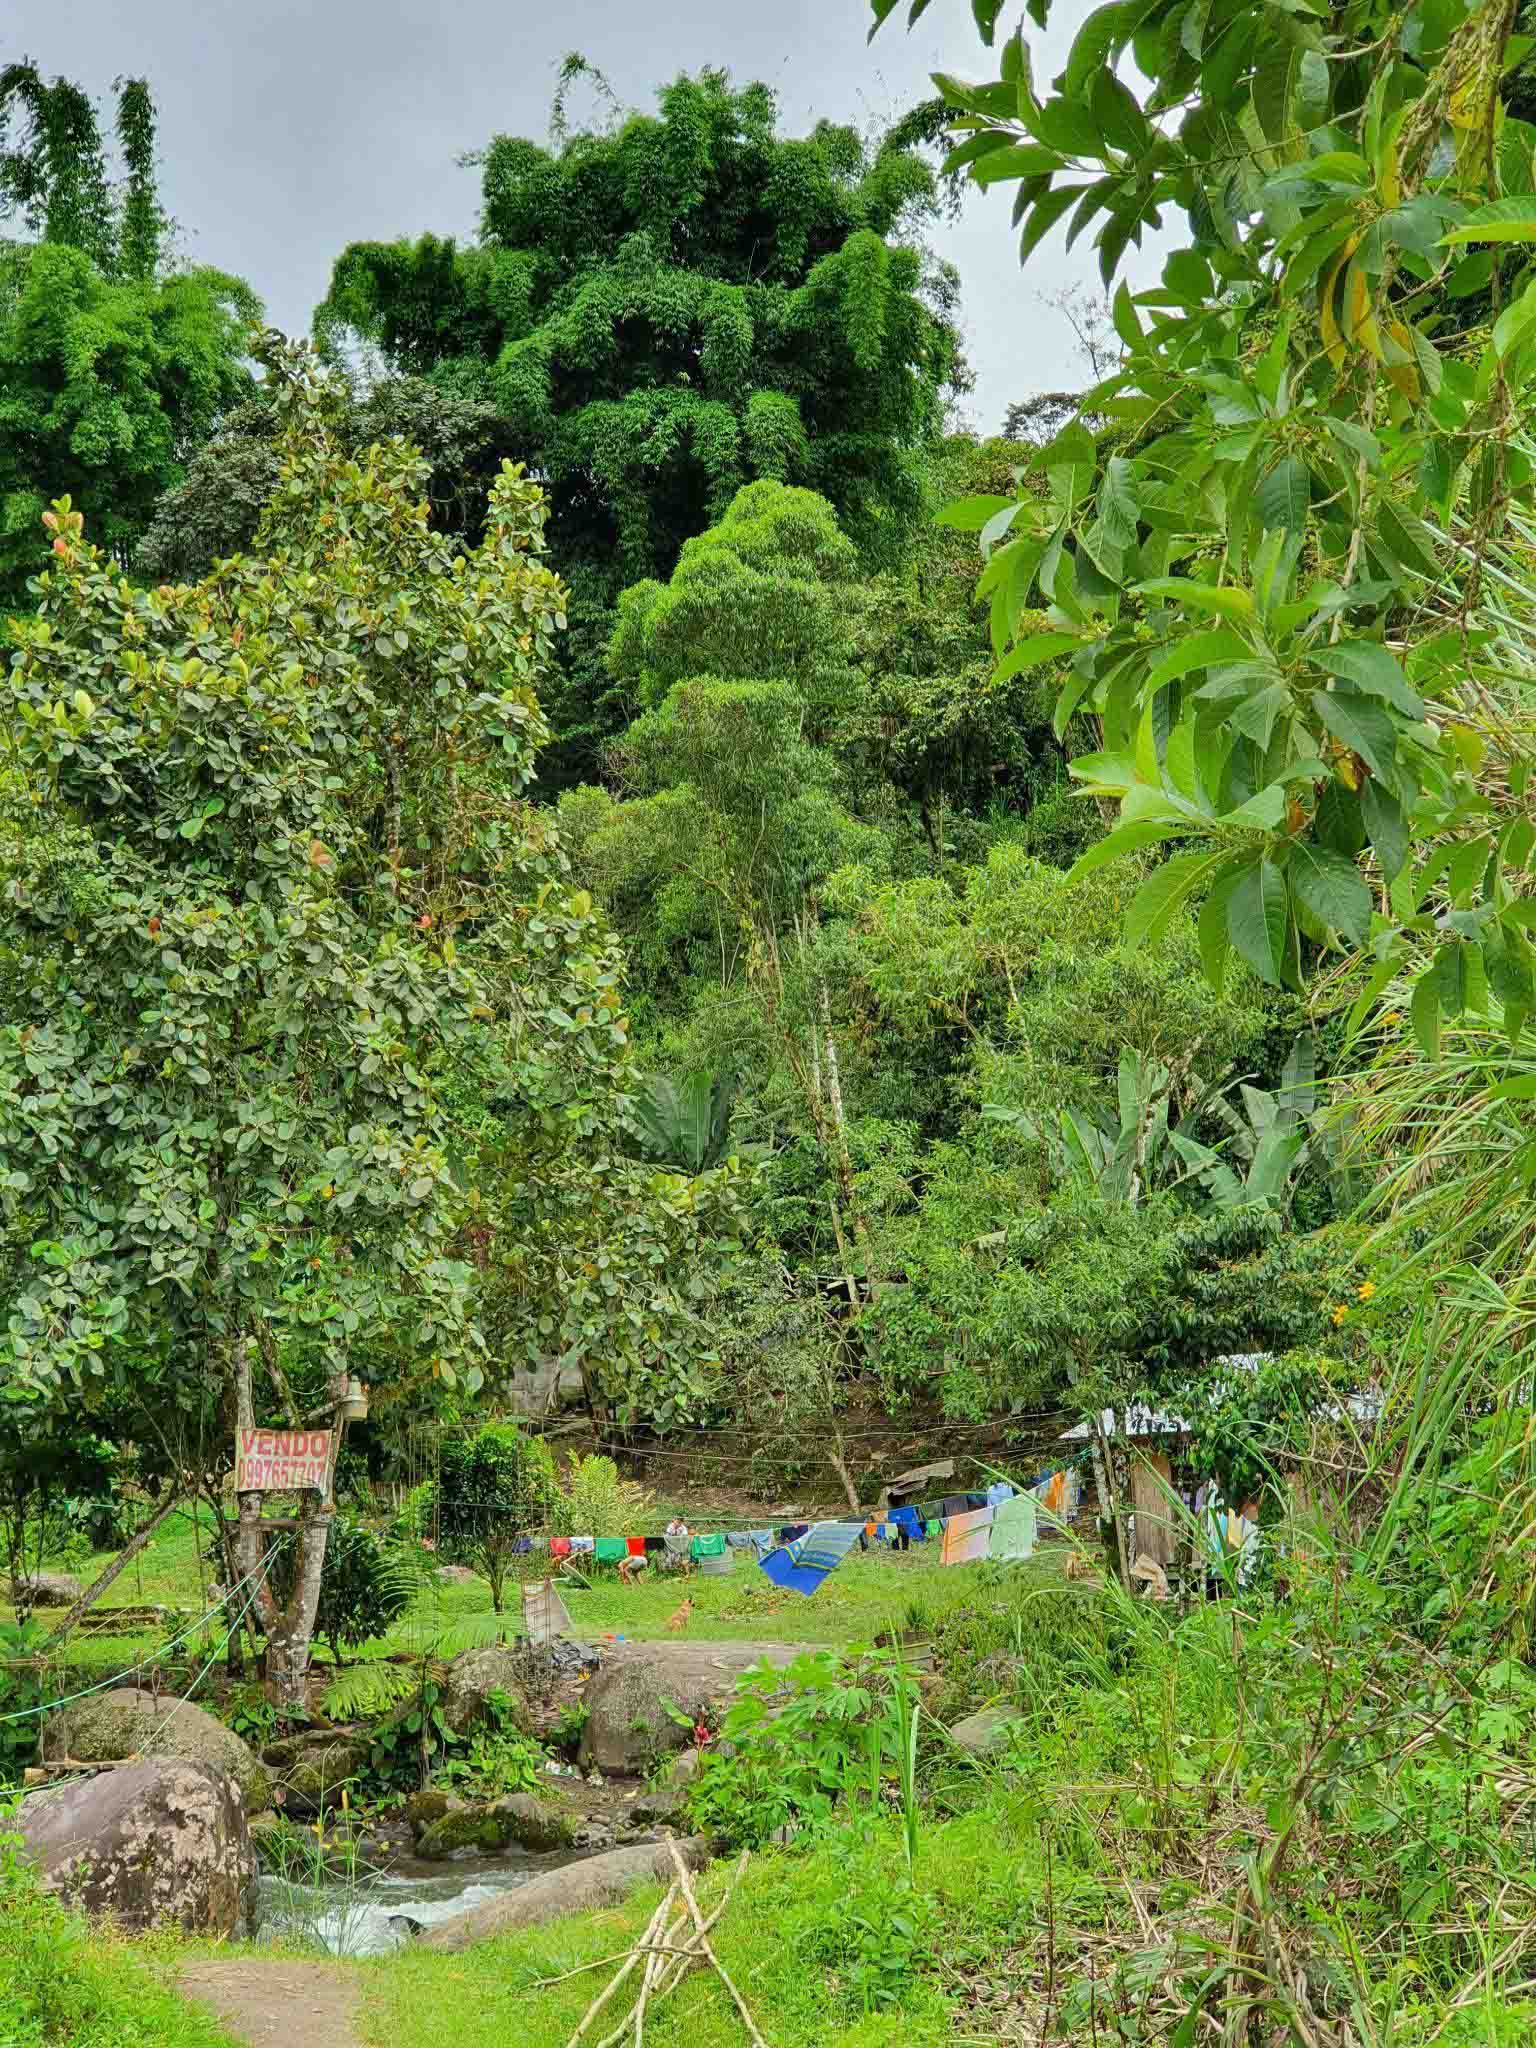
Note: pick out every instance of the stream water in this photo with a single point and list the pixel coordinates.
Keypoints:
(368, 1915)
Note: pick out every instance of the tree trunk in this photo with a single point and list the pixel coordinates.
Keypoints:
(840, 1146)
(289, 1628)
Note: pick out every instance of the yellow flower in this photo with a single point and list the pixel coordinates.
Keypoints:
(1366, 1289)
(1340, 1312)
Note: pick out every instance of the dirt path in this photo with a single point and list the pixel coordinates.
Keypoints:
(280, 2005)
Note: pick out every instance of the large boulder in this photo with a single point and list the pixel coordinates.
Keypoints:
(473, 1676)
(109, 1727)
(629, 1720)
(46, 1589)
(576, 1888)
(309, 1770)
(520, 1820)
(162, 1843)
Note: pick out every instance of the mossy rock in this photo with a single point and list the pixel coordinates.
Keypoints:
(109, 1727)
(533, 1823)
(424, 1809)
(519, 1821)
(466, 1828)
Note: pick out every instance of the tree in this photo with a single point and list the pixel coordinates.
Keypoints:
(112, 367)
(217, 507)
(492, 1489)
(667, 310)
(291, 972)
(1271, 574)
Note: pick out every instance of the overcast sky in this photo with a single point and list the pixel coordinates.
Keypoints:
(291, 127)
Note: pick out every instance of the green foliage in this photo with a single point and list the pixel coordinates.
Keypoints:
(685, 1122)
(594, 1500)
(663, 312)
(1011, 1305)
(874, 1938)
(798, 1740)
(244, 822)
(367, 1584)
(105, 383)
(1252, 568)
(493, 1487)
(501, 1758)
(54, 172)
(21, 1697)
(215, 510)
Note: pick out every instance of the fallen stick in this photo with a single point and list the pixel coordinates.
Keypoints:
(705, 1944)
(692, 1953)
(648, 1946)
(602, 1998)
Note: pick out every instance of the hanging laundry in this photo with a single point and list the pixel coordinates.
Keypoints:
(1013, 1529)
(908, 1527)
(609, 1549)
(966, 1536)
(712, 1545)
(975, 1500)
(998, 1493)
(654, 1545)
(952, 1504)
(805, 1563)
(933, 1529)
(636, 1545)
(559, 1546)
(583, 1545)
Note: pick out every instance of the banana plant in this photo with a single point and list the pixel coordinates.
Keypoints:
(684, 1121)
(1125, 1152)
(1268, 1146)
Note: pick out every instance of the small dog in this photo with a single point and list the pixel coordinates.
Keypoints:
(677, 1621)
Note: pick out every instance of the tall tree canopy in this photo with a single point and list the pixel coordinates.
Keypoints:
(305, 1043)
(667, 311)
(113, 366)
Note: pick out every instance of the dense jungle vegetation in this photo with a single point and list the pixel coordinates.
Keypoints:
(586, 817)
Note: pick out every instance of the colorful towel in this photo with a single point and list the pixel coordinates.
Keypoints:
(780, 1566)
(966, 1537)
(559, 1546)
(1013, 1529)
(583, 1545)
(636, 1545)
(712, 1545)
(933, 1529)
(803, 1564)
(997, 1494)
(609, 1549)
(909, 1524)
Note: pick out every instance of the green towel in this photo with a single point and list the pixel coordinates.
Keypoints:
(709, 1546)
(935, 1528)
(1013, 1529)
(609, 1549)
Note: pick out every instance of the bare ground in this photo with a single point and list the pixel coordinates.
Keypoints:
(272, 2004)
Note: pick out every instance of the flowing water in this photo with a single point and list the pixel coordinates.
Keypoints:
(367, 1915)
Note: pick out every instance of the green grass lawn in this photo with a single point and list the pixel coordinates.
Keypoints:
(809, 1939)
(866, 1594)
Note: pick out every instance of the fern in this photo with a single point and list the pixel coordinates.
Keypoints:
(363, 1690)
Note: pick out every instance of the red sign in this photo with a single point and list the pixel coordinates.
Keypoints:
(282, 1460)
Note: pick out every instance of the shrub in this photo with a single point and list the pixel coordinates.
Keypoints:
(367, 1584)
(492, 1489)
(595, 1501)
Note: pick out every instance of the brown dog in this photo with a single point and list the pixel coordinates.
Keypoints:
(677, 1621)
